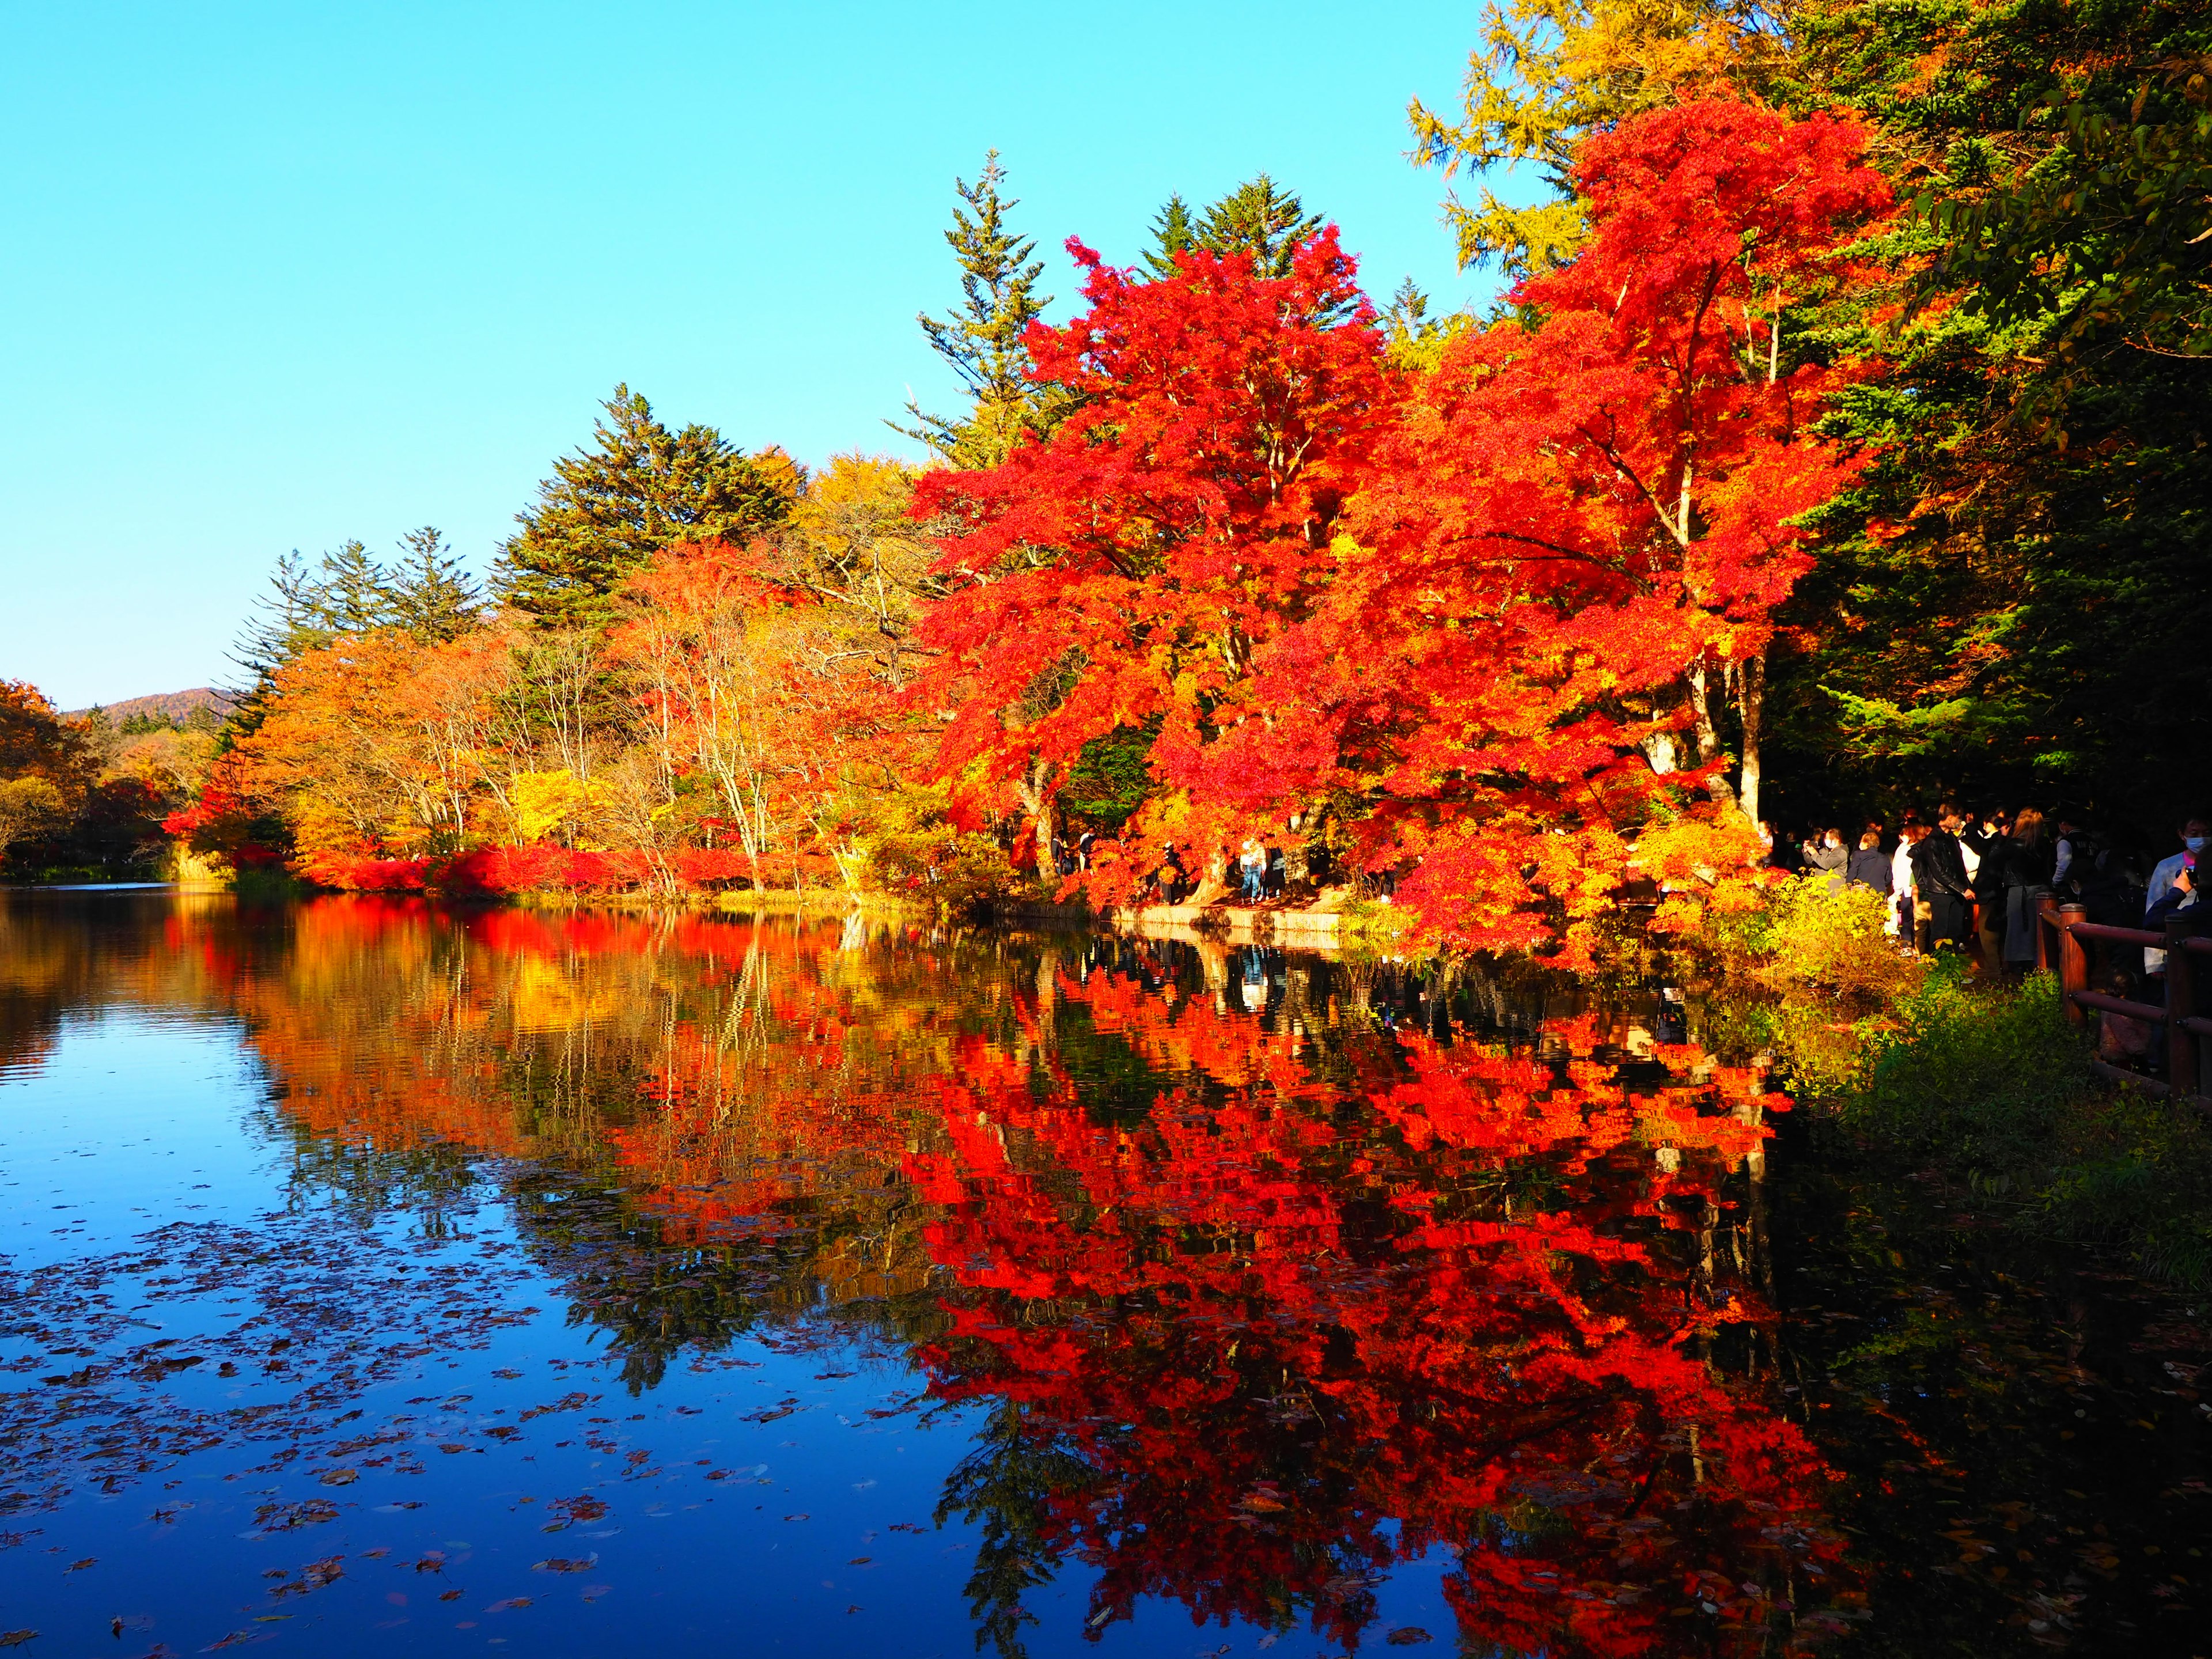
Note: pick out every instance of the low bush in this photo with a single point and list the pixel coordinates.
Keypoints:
(1993, 1085)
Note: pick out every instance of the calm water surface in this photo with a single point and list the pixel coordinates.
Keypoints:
(375, 1280)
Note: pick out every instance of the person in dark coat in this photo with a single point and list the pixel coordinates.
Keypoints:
(1939, 871)
(1869, 865)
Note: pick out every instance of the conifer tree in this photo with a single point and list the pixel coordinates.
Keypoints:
(431, 596)
(1260, 218)
(292, 617)
(1172, 234)
(353, 594)
(1417, 340)
(609, 509)
(982, 339)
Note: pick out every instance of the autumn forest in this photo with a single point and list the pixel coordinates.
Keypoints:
(1835, 444)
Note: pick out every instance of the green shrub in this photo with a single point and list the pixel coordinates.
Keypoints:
(1982, 1072)
(1810, 935)
(1994, 1085)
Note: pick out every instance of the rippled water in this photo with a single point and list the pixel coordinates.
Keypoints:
(382, 1280)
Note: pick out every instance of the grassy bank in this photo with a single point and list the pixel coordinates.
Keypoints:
(1921, 1064)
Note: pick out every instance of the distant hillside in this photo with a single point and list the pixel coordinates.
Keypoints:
(175, 705)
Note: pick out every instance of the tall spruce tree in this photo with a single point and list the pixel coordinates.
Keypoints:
(608, 508)
(982, 339)
(1173, 232)
(305, 608)
(431, 596)
(1260, 218)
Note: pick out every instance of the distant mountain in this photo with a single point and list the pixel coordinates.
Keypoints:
(175, 705)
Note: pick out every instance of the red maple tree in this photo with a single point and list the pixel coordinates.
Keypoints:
(1469, 612)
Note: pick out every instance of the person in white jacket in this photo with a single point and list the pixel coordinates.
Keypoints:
(1905, 897)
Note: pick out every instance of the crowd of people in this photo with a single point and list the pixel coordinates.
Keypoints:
(1965, 879)
(1975, 881)
(1256, 873)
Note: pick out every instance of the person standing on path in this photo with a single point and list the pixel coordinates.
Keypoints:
(1826, 851)
(1905, 900)
(2165, 882)
(1939, 871)
(2029, 859)
(1870, 867)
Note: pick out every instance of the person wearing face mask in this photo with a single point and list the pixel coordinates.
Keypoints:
(1825, 851)
(1939, 871)
(2174, 885)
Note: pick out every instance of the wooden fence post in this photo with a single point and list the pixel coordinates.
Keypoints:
(2182, 1073)
(2073, 960)
(2046, 932)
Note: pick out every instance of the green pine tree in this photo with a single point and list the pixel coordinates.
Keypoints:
(1260, 218)
(291, 618)
(430, 595)
(354, 594)
(982, 339)
(609, 509)
(1172, 234)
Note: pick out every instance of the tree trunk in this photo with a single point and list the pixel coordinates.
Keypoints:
(1750, 696)
(1035, 789)
(1706, 732)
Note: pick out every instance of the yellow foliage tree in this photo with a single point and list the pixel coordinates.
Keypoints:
(1550, 70)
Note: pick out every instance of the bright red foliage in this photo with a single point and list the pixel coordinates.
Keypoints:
(1263, 1329)
(1459, 601)
(1127, 569)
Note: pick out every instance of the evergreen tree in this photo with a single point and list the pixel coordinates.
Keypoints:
(430, 595)
(307, 608)
(290, 618)
(1172, 234)
(1262, 219)
(982, 339)
(352, 595)
(609, 509)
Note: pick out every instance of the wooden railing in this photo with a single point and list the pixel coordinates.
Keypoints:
(2066, 943)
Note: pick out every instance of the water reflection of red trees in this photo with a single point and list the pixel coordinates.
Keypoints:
(1290, 1342)
(1297, 1299)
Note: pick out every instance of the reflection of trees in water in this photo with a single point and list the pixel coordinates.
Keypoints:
(1460, 1293)
(434, 1182)
(1013, 1487)
(67, 955)
(1274, 1271)
(658, 1300)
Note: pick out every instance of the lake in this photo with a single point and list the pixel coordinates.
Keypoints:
(377, 1278)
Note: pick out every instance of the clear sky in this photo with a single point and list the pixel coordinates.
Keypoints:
(272, 277)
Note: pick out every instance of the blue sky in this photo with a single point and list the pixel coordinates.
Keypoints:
(271, 276)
